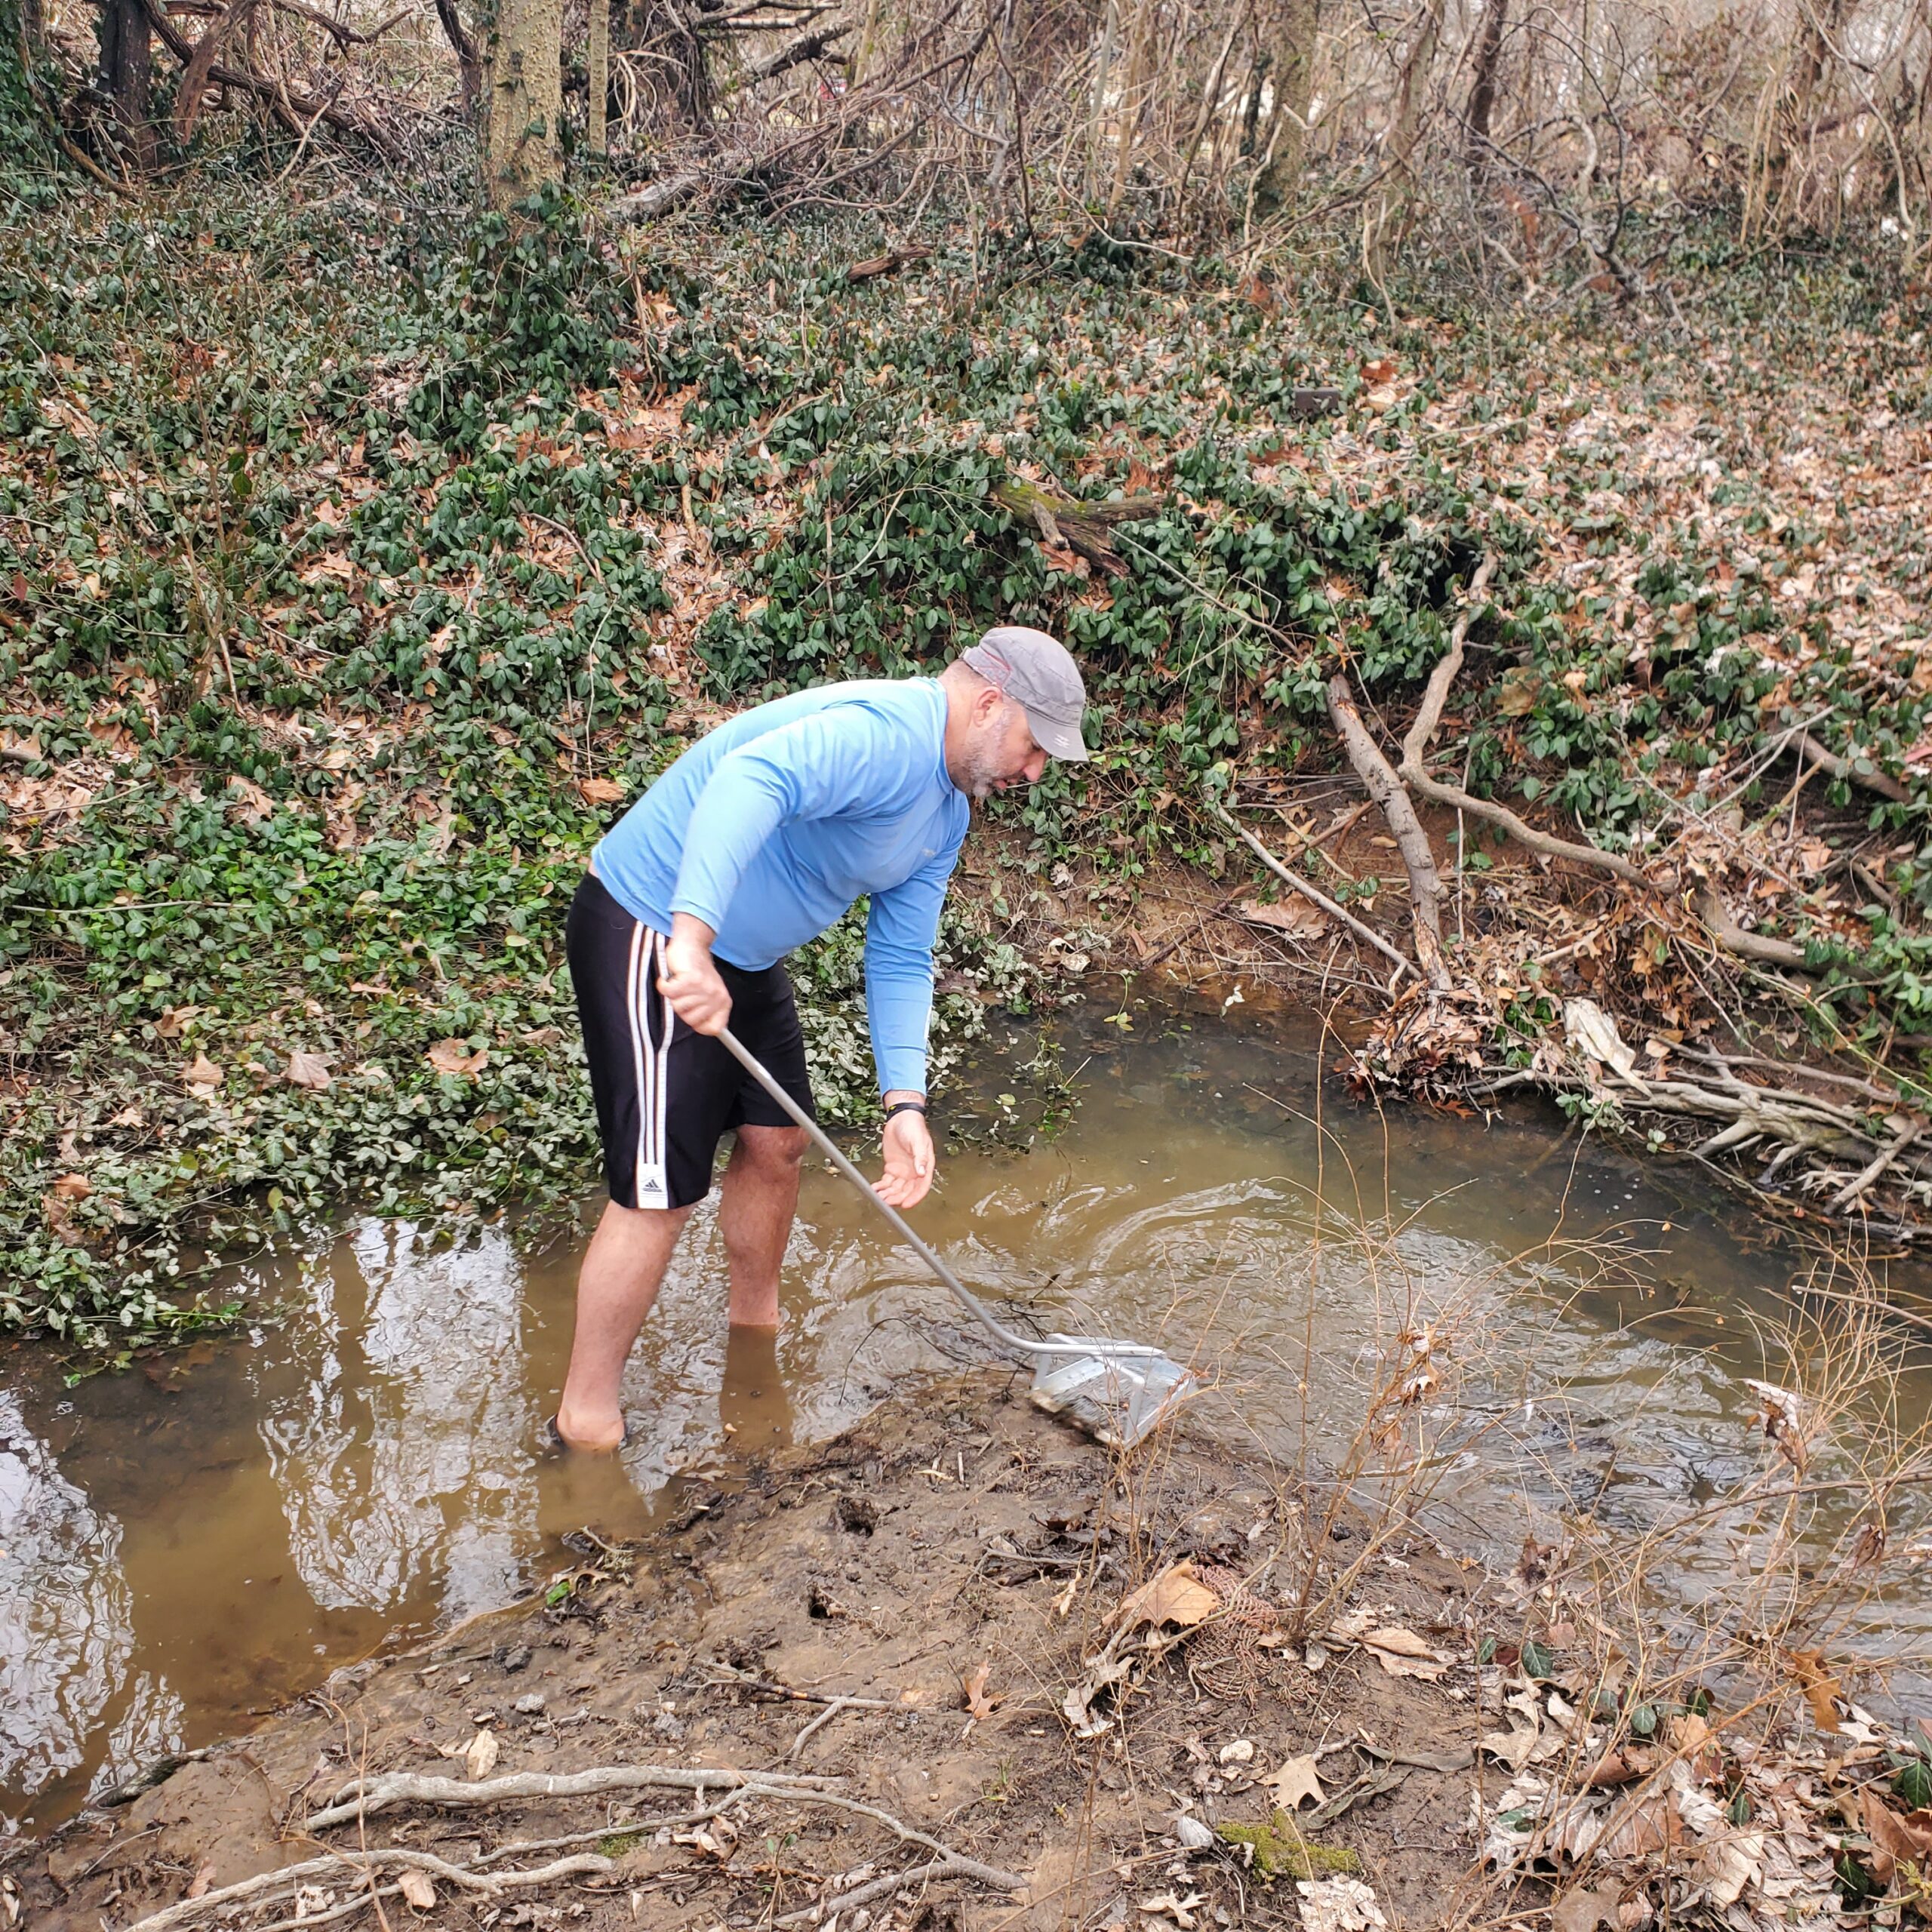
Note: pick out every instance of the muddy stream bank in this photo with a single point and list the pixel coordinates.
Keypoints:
(185, 1546)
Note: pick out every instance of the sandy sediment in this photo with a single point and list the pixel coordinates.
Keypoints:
(853, 1679)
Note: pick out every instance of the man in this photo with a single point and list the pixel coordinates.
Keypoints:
(762, 835)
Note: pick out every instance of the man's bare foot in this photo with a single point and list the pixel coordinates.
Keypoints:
(595, 1435)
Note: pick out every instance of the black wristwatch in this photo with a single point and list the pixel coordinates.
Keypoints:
(906, 1107)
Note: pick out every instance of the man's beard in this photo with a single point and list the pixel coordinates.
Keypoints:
(982, 774)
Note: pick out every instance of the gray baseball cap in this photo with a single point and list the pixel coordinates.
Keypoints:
(1038, 673)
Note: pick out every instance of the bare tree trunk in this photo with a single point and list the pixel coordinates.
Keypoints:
(195, 76)
(1250, 114)
(1482, 89)
(521, 151)
(1103, 62)
(469, 67)
(1405, 127)
(1818, 24)
(1292, 62)
(126, 68)
(1133, 101)
(599, 61)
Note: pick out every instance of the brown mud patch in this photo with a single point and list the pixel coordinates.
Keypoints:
(955, 1563)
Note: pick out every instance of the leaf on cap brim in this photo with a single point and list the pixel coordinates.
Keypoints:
(1295, 1780)
(454, 1056)
(1402, 1654)
(416, 1887)
(308, 1070)
(1176, 1595)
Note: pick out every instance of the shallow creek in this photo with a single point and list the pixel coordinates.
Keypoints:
(183, 1545)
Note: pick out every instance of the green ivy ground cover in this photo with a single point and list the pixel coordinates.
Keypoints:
(357, 563)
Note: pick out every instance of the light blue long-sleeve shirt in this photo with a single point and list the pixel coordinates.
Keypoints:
(771, 826)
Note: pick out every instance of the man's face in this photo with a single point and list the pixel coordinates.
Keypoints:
(1000, 752)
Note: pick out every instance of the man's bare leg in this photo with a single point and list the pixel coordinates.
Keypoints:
(622, 1269)
(755, 1215)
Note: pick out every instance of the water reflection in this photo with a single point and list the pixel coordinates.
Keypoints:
(403, 1450)
(66, 1626)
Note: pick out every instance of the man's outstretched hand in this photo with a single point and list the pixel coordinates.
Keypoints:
(689, 980)
(907, 1145)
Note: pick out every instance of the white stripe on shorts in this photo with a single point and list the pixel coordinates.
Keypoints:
(651, 1065)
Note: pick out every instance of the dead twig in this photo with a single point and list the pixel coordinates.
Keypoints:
(1366, 933)
(1399, 810)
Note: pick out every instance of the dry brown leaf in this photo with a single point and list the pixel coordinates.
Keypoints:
(203, 1071)
(1514, 1747)
(174, 1022)
(1820, 1687)
(600, 791)
(1180, 1910)
(1381, 370)
(1894, 1838)
(73, 1187)
(416, 1887)
(1587, 1910)
(1648, 1826)
(310, 1070)
(1516, 694)
(1176, 1595)
(1616, 1767)
(480, 1757)
(1402, 1654)
(255, 805)
(203, 1879)
(972, 1689)
(1298, 918)
(1295, 1780)
(454, 1056)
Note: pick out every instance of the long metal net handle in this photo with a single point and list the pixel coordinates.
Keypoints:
(1020, 1345)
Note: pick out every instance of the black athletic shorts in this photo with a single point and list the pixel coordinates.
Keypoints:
(667, 1096)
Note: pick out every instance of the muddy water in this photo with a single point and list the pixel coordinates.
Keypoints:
(182, 1546)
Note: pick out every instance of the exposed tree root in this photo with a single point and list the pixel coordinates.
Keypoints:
(266, 1886)
(376, 1794)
